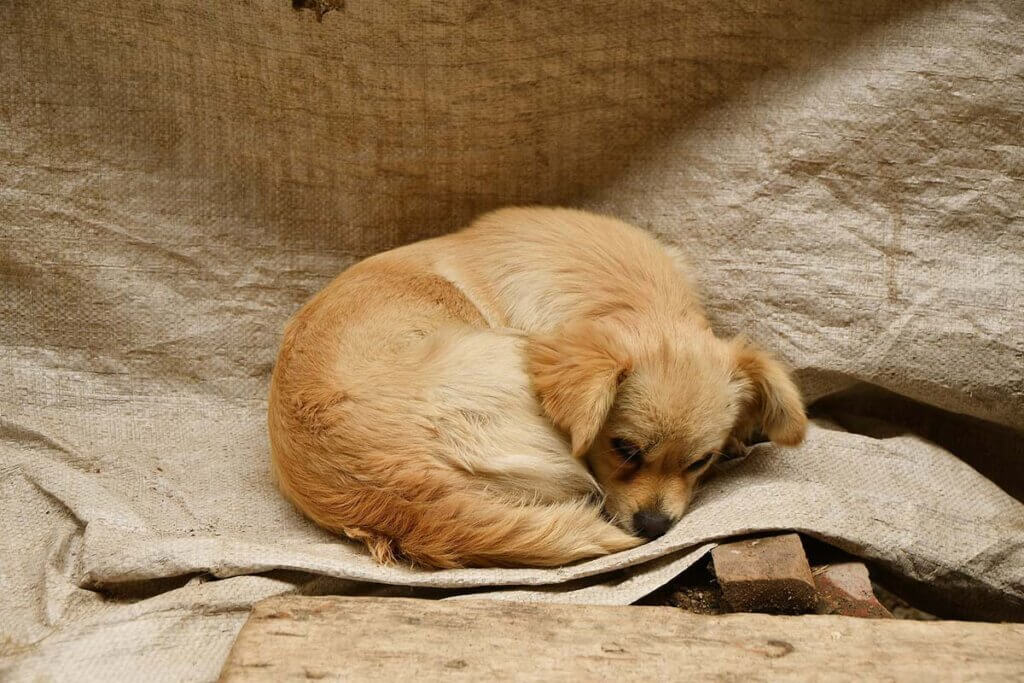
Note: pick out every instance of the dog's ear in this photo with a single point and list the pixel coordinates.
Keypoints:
(576, 372)
(772, 403)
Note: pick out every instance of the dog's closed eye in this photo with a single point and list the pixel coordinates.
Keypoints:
(700, 463)
(628, 451)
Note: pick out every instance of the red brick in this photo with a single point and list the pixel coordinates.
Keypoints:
(845, 589)
(765, 575)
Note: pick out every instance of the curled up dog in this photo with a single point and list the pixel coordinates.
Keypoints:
(539, 388)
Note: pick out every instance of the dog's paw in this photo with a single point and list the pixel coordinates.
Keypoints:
(734, 450)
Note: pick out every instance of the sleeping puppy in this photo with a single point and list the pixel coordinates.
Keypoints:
(539, 388)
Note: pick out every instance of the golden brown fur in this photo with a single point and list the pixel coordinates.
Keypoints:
(465, 401)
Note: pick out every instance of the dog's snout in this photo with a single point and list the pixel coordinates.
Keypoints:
(651, 524)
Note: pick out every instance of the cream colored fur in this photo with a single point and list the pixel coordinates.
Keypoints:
(453, 402)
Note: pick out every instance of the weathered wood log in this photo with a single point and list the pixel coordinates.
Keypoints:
(289, 638)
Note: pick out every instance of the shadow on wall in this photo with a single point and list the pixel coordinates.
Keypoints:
(389, 122)
(991, 449)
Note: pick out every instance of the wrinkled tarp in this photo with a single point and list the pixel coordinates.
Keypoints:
(177, 178)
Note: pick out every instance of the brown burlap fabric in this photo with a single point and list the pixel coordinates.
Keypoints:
(176, 178)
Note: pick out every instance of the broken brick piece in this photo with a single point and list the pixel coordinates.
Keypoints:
(845, 589)
(765, 575)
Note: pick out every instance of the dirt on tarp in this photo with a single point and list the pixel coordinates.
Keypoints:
(320, 7)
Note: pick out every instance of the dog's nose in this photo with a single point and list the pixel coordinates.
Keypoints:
(651, 524)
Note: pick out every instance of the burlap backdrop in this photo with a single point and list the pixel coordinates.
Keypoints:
(177, 177)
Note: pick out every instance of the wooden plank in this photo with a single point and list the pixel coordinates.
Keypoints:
(301, 638)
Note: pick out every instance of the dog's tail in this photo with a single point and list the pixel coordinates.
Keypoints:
(475, 531)
(444, 527)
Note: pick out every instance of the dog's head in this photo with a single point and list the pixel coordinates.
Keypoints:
(650, 411)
